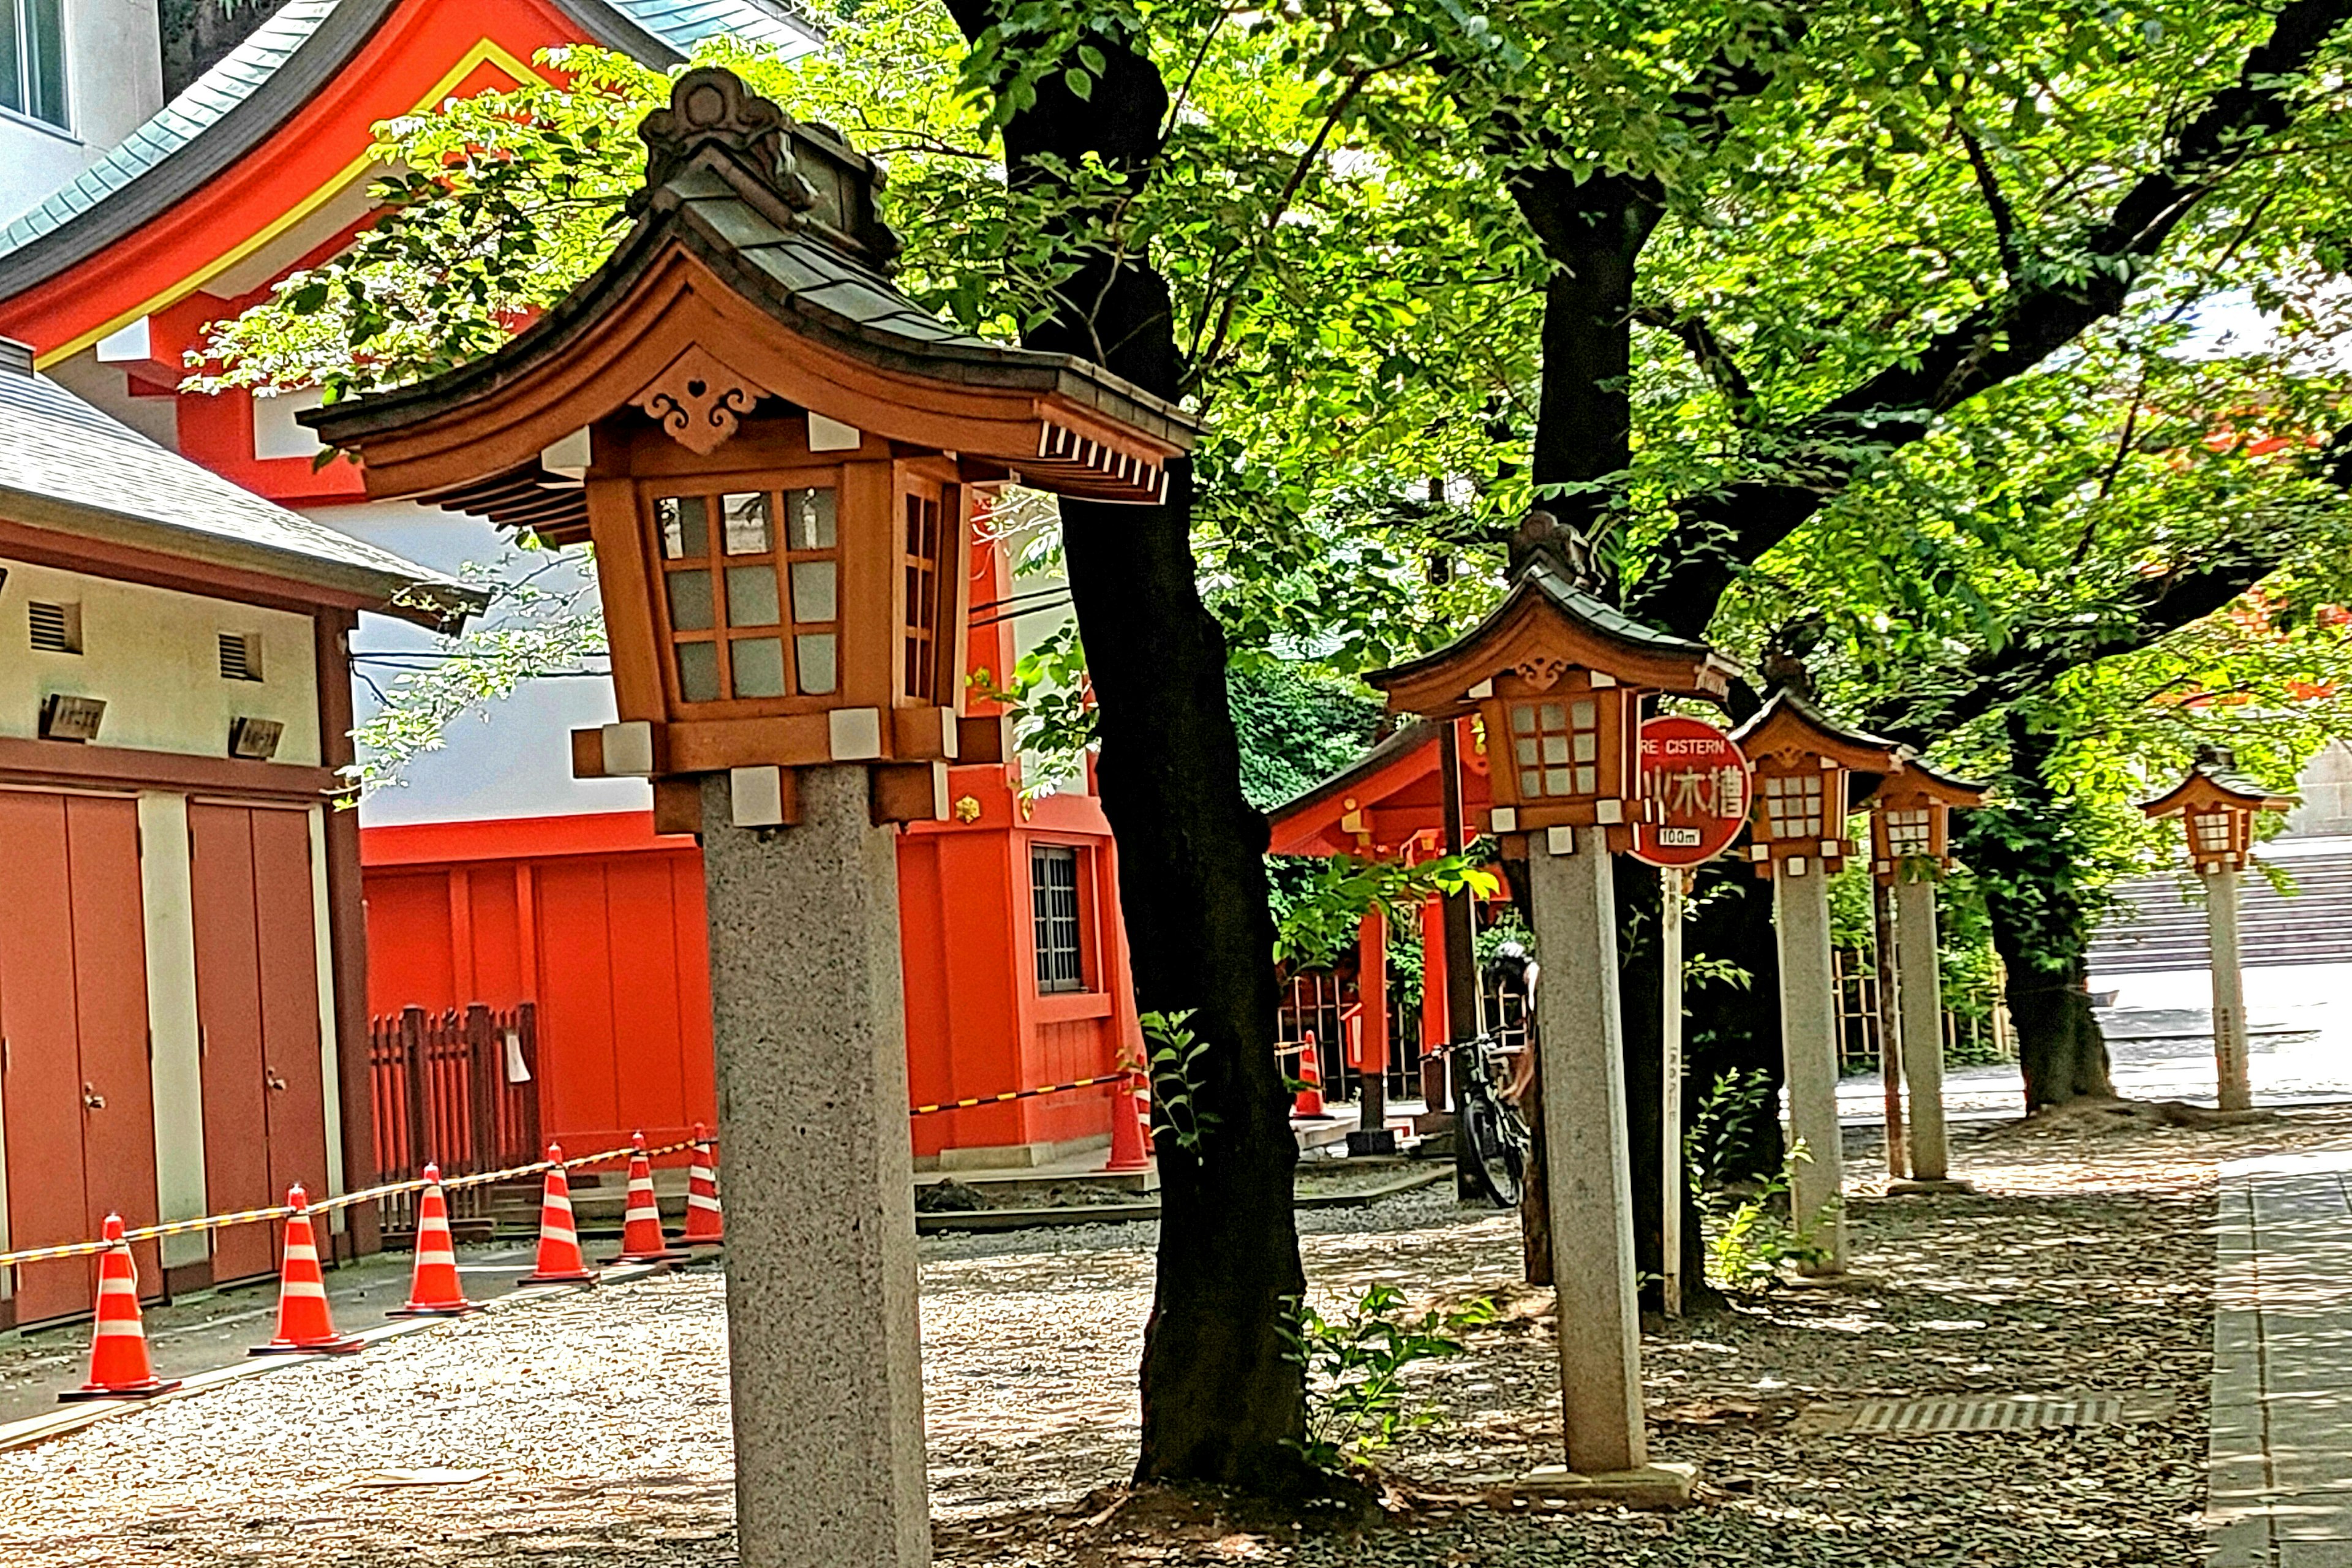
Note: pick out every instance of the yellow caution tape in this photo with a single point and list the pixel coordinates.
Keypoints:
(1022, 1093)
(324, 1205)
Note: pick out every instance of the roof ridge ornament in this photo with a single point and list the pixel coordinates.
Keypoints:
(1542, 537)
(806, 174)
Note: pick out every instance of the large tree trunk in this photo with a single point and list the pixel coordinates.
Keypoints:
(1222, 1400)
(2021, 851)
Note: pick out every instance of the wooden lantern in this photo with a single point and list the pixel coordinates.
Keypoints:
(1555, 678)
(775, 453)
(1804, 766)
(1911, 827)
(2217, 809)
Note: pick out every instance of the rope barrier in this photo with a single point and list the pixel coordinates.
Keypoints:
(1012, 1094)
(324, 1205)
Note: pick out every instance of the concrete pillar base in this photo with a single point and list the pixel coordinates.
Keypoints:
(1650, 1487)
(1919, 1189)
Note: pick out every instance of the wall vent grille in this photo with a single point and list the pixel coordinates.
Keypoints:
(240, 656)
(56, 628)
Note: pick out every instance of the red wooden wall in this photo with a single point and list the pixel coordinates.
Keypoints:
(602, 924)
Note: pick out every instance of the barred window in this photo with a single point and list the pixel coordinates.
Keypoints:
(1054, 911)
(1908, 835)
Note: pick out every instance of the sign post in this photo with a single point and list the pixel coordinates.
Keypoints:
(1694, 782)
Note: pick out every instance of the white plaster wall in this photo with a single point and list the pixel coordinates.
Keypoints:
(154, 655)
(330, 1069)
(507, 759)
(114, 81)
(175, 1060)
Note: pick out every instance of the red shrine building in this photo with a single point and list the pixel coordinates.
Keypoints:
(494, 875)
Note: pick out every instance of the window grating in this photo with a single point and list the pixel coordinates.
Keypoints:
(55, 629)
(1792, 806)
(1054, 911)
(1557, 746)
(240, 656)
(759, 617)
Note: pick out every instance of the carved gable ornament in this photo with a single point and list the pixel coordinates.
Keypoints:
(699, 400)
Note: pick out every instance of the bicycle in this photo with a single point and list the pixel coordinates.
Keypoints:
(1495, 1139)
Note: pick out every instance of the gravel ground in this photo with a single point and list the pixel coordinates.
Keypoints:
(592, 1430)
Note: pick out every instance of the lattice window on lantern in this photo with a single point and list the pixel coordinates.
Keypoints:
(1556, 747)
(1908, 836)
(1792, 805)
(920, 562)
(2210, 832)
(726, 568)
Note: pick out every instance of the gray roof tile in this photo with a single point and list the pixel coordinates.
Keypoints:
(59, 454)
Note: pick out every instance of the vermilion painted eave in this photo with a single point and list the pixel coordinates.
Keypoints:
(388, 76)
(515, 838)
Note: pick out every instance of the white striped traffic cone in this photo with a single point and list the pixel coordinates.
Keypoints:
(560, 1258)
(305, 1326)
(641, 1228)
(118, 1368)
(705, 1225)
(433, 1288)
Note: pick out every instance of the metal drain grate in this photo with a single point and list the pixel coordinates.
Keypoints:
(2011, 1413)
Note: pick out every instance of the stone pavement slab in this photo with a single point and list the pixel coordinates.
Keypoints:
(2280, 1483)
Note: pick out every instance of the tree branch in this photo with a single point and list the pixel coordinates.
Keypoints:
(2004, 217)
(1727, 529)
(1707, 352)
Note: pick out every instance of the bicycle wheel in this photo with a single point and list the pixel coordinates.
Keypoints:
(1494, 1164)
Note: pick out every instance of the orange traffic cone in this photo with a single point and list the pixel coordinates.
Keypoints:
(118, 1368)
(705, 1226)
(433, 1288)
(641, 1227)
(1309, 1102)
(305, 1327)
(1130, 1129)
(560, 1261)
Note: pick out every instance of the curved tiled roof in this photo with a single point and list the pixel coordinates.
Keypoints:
(234, 107)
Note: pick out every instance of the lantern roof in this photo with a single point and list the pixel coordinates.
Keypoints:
(2212, 782)
(1916, 783)
(1789, 723)
(757, 271)
(1547, 615)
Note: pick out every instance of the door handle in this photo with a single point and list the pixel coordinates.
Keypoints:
(91, 1097)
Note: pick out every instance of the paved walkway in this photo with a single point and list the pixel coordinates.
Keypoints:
(2282, 1453)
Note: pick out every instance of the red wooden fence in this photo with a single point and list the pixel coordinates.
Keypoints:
(460, 1090)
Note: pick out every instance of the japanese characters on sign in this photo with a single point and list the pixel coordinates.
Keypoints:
(1694, 782)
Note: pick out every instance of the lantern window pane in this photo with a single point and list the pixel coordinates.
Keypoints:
(813, 653)
(809, 515)
(690, 601)
(1527, 750)
(1530, 782)
(1555, 750)
(1586, 713)
(758, 666)
(1792, 806)
(697, 671)
(1551, 716)
(1587, 780)
(751, 596)
(1907, 835)
(1588, 746)
(2211, 831)
(813, 599)
(1555, 781)
(684, 527)
(747, 531)
(1523, 718)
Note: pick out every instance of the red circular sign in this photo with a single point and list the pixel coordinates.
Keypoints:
(1695, 790)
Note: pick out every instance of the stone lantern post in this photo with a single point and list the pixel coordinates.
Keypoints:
(1911, 836)
(1804, 765)
(2217, 809)
(775, 453)
(1555, 677)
